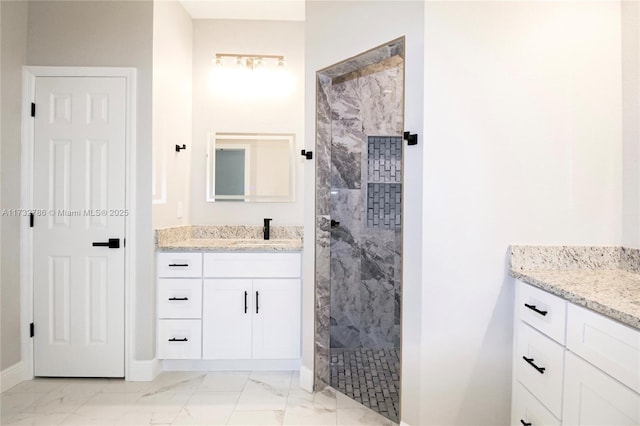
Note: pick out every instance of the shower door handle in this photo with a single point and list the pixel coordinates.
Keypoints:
(334, 223)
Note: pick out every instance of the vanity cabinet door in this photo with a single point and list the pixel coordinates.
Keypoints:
(276, 318)
(592, 397)
(226, 319)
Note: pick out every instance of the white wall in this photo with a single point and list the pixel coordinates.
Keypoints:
(524, 146)
(631, 123)
(13, 54)
(172, 78)
(215, 113)
(118, 34)
(337, 30)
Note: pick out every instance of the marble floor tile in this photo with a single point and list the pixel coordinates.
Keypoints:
(361, 416)
(12, 404)
(123, 386)
(325, 399)
(59, 402)
(207, 408)
(177, 380)
(255, 418)
(267, 398)
(224, 381)
(38, 385)
(309, 416)
(31, 419)
(164, 398)
(148, 415)
(272, 379)
(104, 408)
(261, 397)
(343, 401)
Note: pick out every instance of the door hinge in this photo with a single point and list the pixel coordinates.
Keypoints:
(33, 109)
(31, 220)
(31, 330)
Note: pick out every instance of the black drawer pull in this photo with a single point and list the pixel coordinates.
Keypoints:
(173, 339)
(524, 423)
(533, 308)
(257, 308)
(178, 298)
(245, 302)
(531, 363)
(174, 265)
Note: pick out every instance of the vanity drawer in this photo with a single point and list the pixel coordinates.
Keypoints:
(541, 372)
(541, 310)
(250, 265)
(607, 344)
(527, 409)
(179, 265)
(179, 339)
(179, 298)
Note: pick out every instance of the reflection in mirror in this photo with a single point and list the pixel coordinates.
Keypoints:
(250, 167)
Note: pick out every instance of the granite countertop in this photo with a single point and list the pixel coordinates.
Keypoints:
(228, 238)
(231, 244)
(603, 279)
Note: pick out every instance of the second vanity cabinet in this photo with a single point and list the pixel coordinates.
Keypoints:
(572, 366)
(229, 306)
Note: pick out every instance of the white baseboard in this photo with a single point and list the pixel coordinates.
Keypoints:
(306, 379)
(144, 371)
(11, 376)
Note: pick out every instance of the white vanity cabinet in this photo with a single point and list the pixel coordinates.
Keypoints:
(571, 365)
(251, 306)
(229, 306)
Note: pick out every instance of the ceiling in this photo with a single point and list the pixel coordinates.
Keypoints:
(272, 10)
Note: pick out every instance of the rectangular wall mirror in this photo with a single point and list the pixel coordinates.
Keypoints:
(244, 167)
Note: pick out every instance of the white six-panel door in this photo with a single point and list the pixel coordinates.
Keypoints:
(79, 197)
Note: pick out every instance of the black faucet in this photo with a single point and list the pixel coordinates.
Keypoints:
(266, 228)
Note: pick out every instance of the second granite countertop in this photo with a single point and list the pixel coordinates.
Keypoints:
(610, 287)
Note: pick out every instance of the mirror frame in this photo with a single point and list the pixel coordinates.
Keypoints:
(212, 138)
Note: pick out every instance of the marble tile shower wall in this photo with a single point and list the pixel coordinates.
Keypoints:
(365, 260)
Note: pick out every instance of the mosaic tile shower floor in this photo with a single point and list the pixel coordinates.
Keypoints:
(369, 376)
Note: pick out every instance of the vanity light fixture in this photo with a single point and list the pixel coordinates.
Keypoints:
(250, 61)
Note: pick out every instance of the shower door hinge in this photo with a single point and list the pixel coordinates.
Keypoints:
(33, 109)
(412, 139)
(32, 330)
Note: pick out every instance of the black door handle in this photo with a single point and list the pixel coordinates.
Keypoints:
(178, 298)
(531, 363)
(524, 423)
(533, 308)
(334, 223)
(173, 339)
(182, 265)
(257, 307)
(112, 243)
